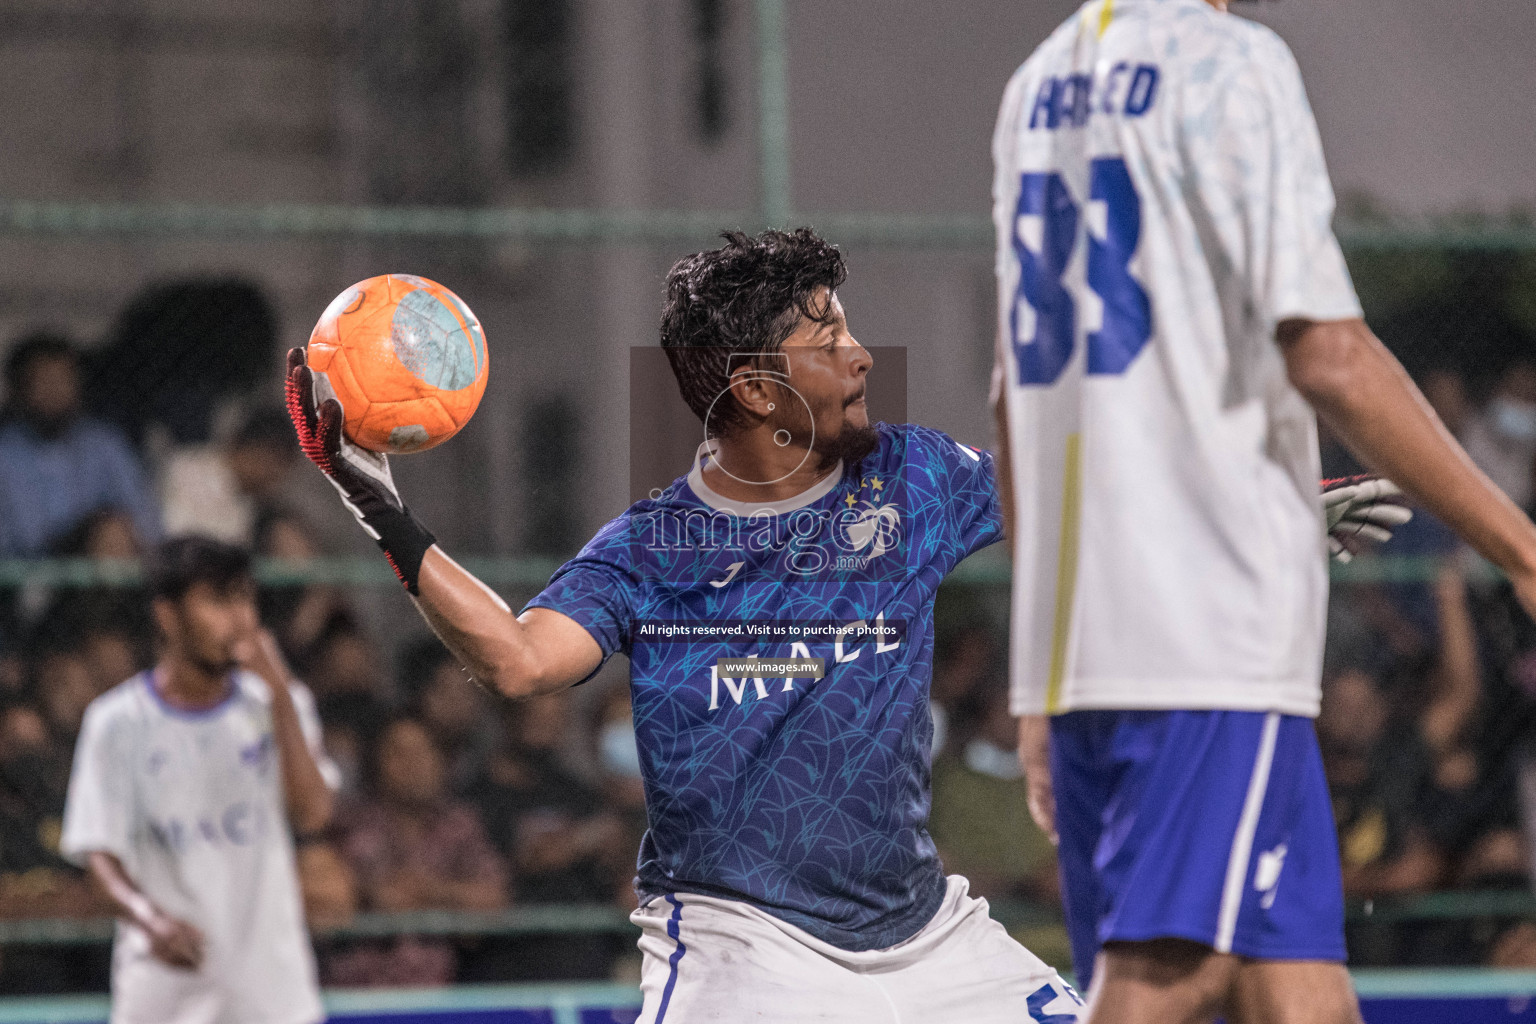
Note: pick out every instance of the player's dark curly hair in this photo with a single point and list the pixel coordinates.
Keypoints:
(181, 563)
(745, 297)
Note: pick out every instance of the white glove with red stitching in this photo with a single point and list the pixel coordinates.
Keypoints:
(1361, 508)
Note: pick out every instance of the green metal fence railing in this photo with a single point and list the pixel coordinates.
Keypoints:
(575, 919)
(987, 568)
(558, 225)
(593, 919)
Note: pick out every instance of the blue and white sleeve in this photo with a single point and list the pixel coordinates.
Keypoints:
(965, 486)
(599, 594)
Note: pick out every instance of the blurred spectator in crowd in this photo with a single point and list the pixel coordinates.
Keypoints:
(350, 686)
(455, 710)
(65, 686)
(413, 847)
(565, 842)
(112, 652)
(980, 819)
(35, 881)
(965, 651)
(224, 490)
(1514, 948)
(108, 534)
(1471, 804)
(554, 828)
(1446, 391)
(1501, 437)
(297, 613)
(1506, 739)
(1420, 798)
(619, 775)
(108, 625)
(225, 327)
(13, 674)
(1377, 779)
(328, 884)
(1403, 619)
(58, 465)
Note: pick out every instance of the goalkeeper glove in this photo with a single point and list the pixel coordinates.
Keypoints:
(360, 476)
(1361, 507)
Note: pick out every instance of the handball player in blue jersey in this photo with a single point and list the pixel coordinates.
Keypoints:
(787, 873)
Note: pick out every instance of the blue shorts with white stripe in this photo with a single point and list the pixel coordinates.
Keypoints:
(1212, 826)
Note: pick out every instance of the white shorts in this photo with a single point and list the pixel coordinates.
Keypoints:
(709, 959)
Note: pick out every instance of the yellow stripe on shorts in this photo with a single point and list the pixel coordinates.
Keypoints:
(1066, 569)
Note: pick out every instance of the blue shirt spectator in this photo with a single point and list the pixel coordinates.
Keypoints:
(57, 465)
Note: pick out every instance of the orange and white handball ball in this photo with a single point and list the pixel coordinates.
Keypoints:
(406, 359)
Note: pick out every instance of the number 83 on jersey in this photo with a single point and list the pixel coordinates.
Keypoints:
(1048, 226)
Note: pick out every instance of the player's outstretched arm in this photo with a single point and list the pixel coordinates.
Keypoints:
(517, 656)
(1366, 397)
(537, 652)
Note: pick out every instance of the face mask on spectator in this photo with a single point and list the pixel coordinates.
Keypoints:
(991, 760)
(618, 749)
(1514, 419)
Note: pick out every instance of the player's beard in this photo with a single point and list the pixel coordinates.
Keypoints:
(215, 662)
(216, 667)
(850, 445)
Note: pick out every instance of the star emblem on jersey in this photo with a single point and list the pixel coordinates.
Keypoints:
(874, 485)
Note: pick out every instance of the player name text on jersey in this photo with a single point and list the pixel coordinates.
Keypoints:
(1069, 101)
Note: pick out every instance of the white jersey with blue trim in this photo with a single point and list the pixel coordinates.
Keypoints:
(1162, 204)
(192, 804)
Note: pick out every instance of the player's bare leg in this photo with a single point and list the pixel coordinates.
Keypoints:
(1292, 992)
(1170, 981)
(1164, 981)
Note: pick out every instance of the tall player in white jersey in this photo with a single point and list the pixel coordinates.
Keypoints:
(185, 782)
(1174, 308)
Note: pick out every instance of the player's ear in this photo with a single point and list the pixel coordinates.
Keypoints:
(752, 390)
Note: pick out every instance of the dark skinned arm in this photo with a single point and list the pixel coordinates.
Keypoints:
(540, 651)
(1361, 391)
(307, 797)
(1034, 730)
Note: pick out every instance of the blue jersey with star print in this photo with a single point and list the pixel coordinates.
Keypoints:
(806, 797)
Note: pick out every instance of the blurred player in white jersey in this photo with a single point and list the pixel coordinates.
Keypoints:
(188, 783)
(1174, 308)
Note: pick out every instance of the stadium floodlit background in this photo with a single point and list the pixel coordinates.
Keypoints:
(184, 186)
